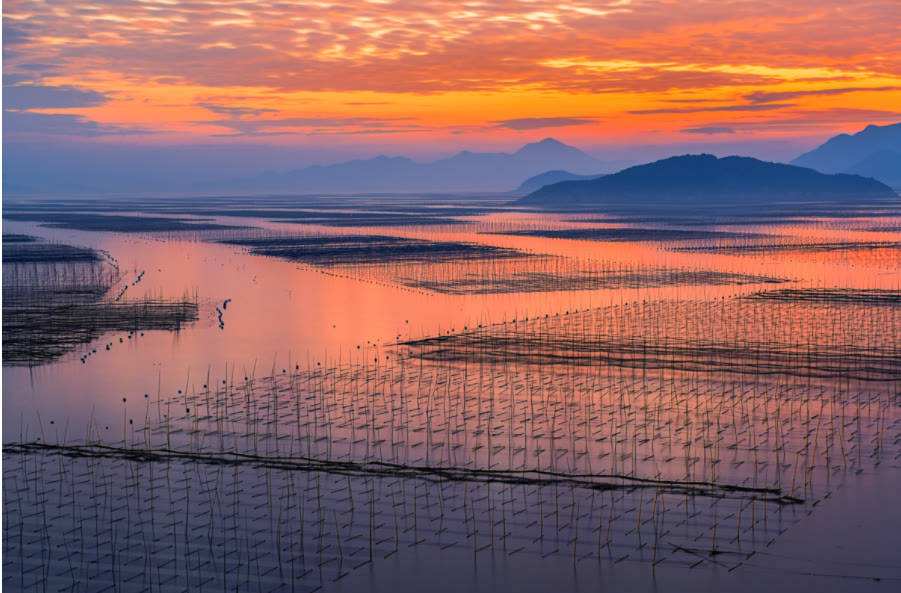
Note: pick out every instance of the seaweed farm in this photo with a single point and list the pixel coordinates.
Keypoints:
(57, 297)
(333, 250)
(631, 234)
(863, 296)
(349, 218)
(512, 273)
(451, 267)
(764, 338)
(350, 396)
(115, 223)
(21, 249)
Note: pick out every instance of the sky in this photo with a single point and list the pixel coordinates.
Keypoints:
(304, 82)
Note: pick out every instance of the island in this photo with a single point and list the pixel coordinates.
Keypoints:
(706, 179)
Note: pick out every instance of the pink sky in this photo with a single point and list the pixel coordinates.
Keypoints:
(424, 74)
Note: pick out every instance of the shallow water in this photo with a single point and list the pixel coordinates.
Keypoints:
(285, 319)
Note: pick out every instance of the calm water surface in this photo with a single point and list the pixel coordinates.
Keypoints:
(283, 315)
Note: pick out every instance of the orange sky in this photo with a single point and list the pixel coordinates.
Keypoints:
(426, 72)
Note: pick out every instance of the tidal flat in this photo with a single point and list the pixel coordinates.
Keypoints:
(342, 403)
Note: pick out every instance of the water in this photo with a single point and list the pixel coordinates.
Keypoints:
(307, 362)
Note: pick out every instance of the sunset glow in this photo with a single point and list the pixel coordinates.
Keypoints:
(417, 73)
(502, 296)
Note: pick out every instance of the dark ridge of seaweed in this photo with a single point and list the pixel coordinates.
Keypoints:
(55, 299)
(336, 219)
(711, 357)
(712, 221)
(362, 218)
(536, 477)
(537, 281)
(34, 252)
(363, 249)
(684, 337)
(315, 240)
(18, 238)
(113, 222)
(42, 333)
(630, 234)
(740, 248)
(855, 296)
(434, 204)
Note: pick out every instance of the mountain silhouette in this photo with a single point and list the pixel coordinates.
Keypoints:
(547, 178)
(463, 171)
(706, 179)
(863, 153)
(884, 165)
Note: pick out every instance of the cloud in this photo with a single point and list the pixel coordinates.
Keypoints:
(807, 120)
(314, 125)
(710, 130)
(370, 131)
(234, 111)
(444, 61)
(435, 45)
(535, 123)
(714, 108)
(770, 96)
(34, 96)
(15, 33)
(59, 124)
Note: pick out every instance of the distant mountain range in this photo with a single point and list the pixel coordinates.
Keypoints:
(536, 182)
(706, 179)
(873, 152)
(464, 171)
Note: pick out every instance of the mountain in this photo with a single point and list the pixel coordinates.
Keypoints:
(548, 177)
(549, 148)
(884, 165)
(846, 152)
(706, 179)
(464, 171)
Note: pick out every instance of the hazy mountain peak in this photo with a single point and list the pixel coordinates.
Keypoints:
(845, 152)
(463, 171)
(547, 146)
(546, 142)
(884, 165)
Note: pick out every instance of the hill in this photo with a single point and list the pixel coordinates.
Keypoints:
(884, 165)
(862, 152)
(547, 178)
(706, 179)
